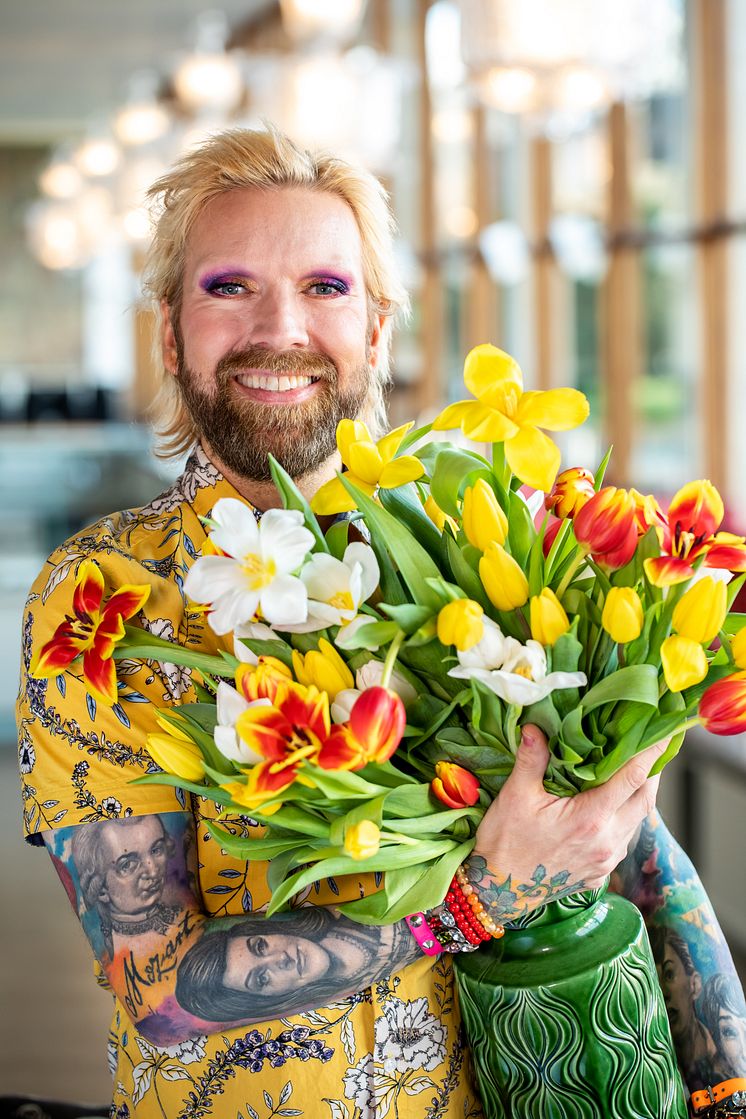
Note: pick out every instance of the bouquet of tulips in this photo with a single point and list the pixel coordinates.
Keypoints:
(382, 670)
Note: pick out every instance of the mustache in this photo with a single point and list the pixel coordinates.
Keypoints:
(293, 362)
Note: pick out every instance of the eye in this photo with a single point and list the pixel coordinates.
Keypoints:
(226, 287)
(258, 945)
(127, 865)
(261, 979)
(329, 286)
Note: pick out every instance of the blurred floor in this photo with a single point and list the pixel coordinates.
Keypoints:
(55, 1018)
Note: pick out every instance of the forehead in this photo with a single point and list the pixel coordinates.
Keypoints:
(132, 837)
(292, 227)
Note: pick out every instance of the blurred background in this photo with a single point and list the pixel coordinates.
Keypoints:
(569, 178)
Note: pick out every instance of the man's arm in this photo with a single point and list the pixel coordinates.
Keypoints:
(703, 994)
(173, 967)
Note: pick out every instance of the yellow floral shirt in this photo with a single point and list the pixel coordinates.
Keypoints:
(393, 1049)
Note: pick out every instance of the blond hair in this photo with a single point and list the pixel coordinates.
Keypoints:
(267, 160)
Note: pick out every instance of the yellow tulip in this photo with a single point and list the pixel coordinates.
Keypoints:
(700, 612)
(503, 413)
(460, 624)
(369, 465)
(684, 662)
(362, 839)
(324, 668)
(503, 579)
(623, 616)
(548, 618)
(175, 753)
(738, 648)
(437, 516)
(483, 518)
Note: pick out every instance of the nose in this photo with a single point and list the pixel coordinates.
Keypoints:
(278, 321)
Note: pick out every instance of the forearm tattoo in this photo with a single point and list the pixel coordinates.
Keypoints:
(132, 883)
(507, 901)
(703, 994)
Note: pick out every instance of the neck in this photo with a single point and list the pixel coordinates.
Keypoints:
(264, 495)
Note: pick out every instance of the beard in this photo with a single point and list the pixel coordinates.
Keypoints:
(243, 433)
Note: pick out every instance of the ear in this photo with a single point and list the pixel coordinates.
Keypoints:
(375, 340)
(168, 340)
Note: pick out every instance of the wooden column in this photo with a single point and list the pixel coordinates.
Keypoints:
(432, 335)
(481, 301)
(711, 168)
(543, 261)
(145, 375)
(621, 331)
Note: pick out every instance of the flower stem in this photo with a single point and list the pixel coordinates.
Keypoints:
(567, 578)
(391, 655)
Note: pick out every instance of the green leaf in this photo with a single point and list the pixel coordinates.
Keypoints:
(245, 848)
(521, 531)
(368, 810)
(404, 504)
(452, 471)
(269, 648)
(407, 616)
(410, 890)
(413, 436)
(573, 735)
(544, 714)
(638, 682)
(601, 472)
(413, 562)
(372, 635)
(337, 537)
(465, 575)
(292, 498)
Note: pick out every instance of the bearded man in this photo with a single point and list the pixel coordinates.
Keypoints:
(273, 272)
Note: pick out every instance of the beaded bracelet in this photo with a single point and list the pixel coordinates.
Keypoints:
(490, 926)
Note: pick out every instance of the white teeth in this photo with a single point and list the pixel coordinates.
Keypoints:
(273, 384)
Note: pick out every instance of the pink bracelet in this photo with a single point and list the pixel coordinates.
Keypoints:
(423, 934)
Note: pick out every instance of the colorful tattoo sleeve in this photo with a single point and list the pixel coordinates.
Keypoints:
(703, 994)
(180, 973)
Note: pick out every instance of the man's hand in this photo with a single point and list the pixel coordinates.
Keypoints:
(533, 847)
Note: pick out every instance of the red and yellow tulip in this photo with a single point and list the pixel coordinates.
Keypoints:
(722, 709)
(93, 629)
(573, 489)
(371, 734)
(607, 527)
(691, 532)
(455, 786)
(261, 680)
(503, 413)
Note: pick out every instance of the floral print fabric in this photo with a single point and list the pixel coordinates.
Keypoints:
(392, 1050)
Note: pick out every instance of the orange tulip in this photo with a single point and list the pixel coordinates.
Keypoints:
(722, 708)
(607, 527)
(261, 680)
(573, 489)
(93, 629)
(454, 785)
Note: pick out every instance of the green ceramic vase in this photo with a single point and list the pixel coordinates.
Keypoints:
(565, 1017)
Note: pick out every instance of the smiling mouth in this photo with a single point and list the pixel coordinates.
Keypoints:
(270, 383)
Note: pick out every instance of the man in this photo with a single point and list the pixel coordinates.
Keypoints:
(276, 285)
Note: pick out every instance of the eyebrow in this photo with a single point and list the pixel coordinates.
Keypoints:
(332, 273)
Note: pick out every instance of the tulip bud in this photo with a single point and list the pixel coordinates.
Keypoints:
(503, 579)
(607, 527)
(261, 680)
(622, 616)
(722, 708)
(571, 491)
(460, 624)
(550, 535)
(738, 648)
(684, 662)
(378, 719)
(362, 840)
(483, 518)
(436, 514)
(176, 755)
(324, 668)
(454, 785)
(700, 612)
(548, 618)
